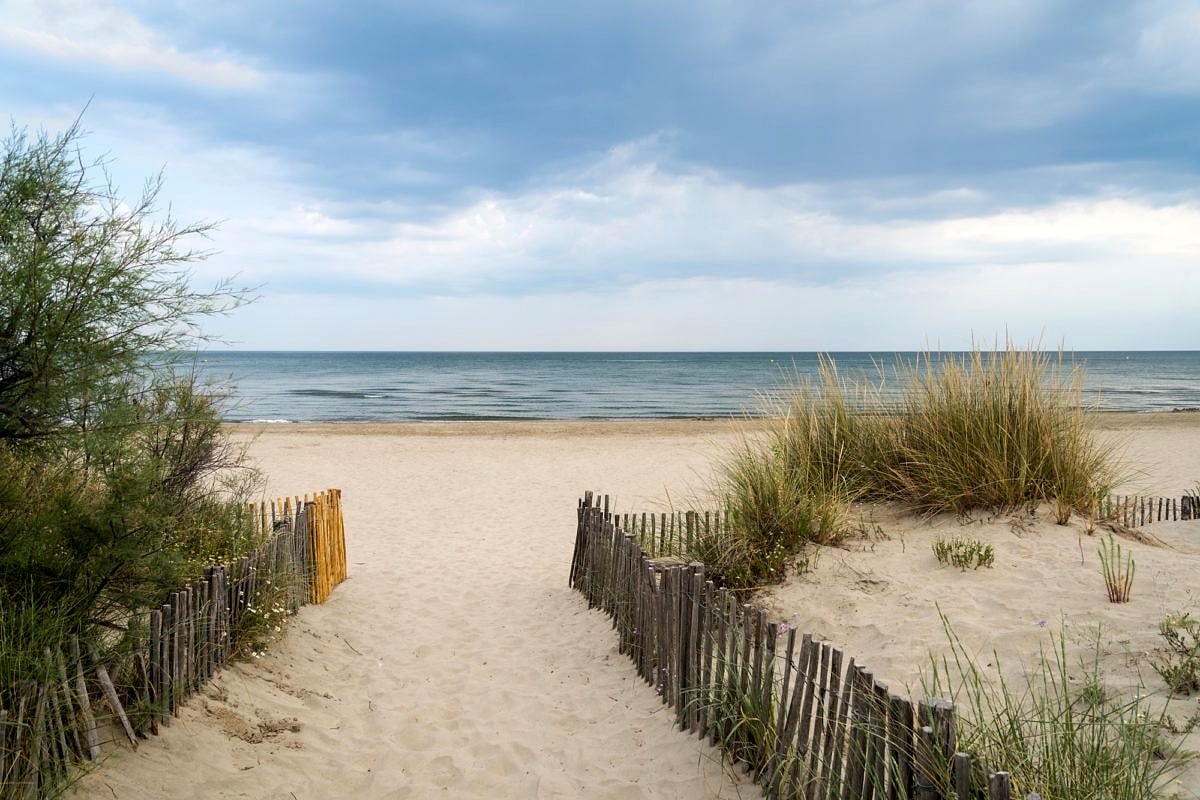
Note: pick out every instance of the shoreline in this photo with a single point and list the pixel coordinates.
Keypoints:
(1103, 420)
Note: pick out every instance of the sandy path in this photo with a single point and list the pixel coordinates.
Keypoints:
(455, 661)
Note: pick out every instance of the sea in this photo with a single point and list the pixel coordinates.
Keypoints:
(287, 387)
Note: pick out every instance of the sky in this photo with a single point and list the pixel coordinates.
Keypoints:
(699, 175)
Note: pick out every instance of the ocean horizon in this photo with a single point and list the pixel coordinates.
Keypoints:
(380, 386)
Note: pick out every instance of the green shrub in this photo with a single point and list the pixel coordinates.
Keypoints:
(262, 621)
(116, 480)
(964, 553)
(1180, 667)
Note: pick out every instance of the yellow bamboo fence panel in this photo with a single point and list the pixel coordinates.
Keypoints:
(327, 540)
(322, 524)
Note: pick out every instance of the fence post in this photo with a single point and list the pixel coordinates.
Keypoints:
(962, 775)
(923, 783)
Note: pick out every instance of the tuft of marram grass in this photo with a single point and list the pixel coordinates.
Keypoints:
(1118, 574)
(994, 429)
(773, 514)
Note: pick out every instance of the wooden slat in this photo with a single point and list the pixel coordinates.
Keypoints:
(766, 691)
(900, 726)
(999, 786)
(706, 656)
(795, 735)
(69, 705)
(835, 737)
(961, 769)
(925, 784)
(784, 744)
(83, 702)
(110, 694)
(820, 716)
(857, 734)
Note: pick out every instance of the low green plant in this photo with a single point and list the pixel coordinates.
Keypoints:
(1058, 731)
(1171, 725)
(1118, 574)
(1180, 666)
(964, 553)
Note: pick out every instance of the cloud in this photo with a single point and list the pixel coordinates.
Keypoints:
(97, 32)
(633, 219)
(1166, 56)
(627, 253)
(630, 220)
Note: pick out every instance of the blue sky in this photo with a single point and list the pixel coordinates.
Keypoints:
(672, 175)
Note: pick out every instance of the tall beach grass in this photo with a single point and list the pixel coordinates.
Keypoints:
(986, 429)
(1058, 730)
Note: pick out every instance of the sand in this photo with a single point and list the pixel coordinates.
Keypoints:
(456, 662)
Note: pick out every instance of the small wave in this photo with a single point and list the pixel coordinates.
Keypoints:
(463, 392)
(342, 393)
(270, 421)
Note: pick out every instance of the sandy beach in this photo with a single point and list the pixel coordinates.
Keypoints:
(456, 662)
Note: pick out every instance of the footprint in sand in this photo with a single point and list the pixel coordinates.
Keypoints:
(443, 772)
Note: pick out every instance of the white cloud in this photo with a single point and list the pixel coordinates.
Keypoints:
(634, 221)
(97, 32)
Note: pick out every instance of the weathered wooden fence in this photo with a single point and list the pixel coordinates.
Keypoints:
(47, 726)
(1134, 511)
(673, 534)
(805, 720)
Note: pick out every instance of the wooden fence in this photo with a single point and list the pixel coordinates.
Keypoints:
(47, 726)
(673, 534)
(806, 721)
(1134, 511)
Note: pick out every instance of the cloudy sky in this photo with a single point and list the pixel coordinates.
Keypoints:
(708, 174)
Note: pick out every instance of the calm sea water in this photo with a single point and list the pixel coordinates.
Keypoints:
(302, 387)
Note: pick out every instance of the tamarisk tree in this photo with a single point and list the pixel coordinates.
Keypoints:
(90, 286)
(115, 472)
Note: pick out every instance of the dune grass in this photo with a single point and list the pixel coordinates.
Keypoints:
(996, 429)
(1058, 730)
